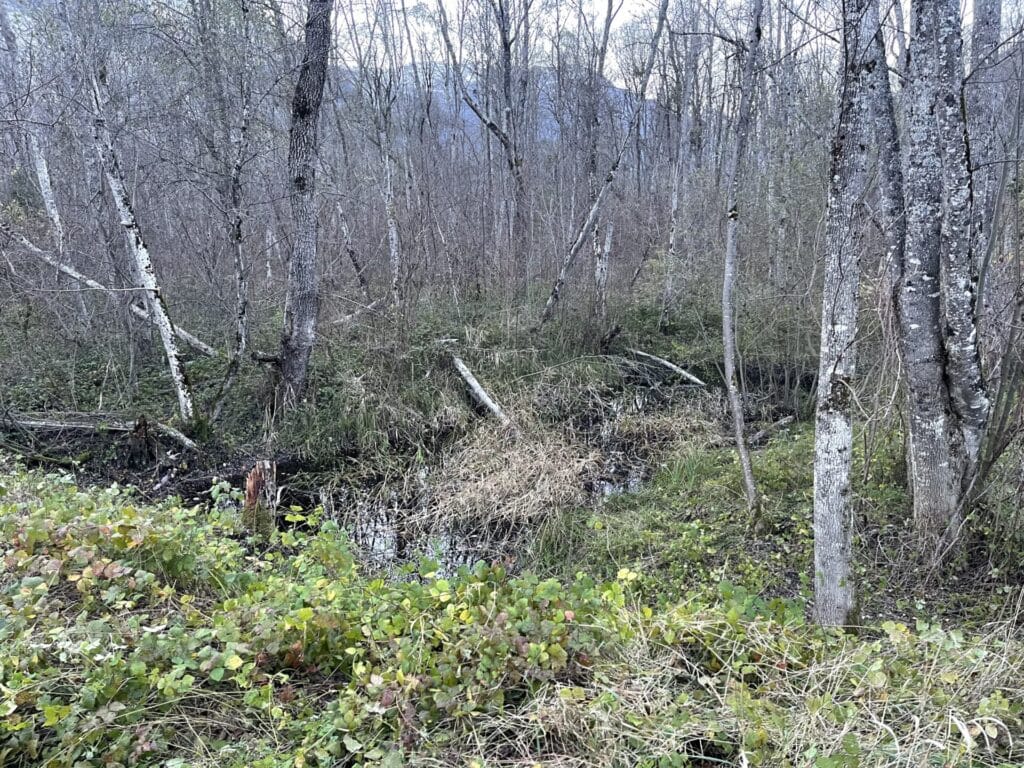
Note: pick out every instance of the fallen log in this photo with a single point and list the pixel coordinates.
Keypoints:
(84, 422)
(346, 319)
(755, 440)
(763, 434)
(669, 366)
(479, 393)
(140, 312)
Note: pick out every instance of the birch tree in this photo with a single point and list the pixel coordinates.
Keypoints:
(302, 297)
(138, 250)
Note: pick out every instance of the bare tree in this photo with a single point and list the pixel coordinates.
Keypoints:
(590, 221)
(302, 299)
(948, 402)
(686, 75)
(513, 31)
(732, 212)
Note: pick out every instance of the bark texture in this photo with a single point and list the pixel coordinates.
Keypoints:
(302, 301)
(967, 389)
(834, 595)
(948, 406)
(984, 95)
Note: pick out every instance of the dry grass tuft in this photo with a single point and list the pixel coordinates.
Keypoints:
(500, 477)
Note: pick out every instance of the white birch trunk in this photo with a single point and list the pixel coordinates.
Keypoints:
(141, 312)
(139, 254)
(235, 223)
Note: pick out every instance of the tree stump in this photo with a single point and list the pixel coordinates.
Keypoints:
(258, 514)
(143, 448)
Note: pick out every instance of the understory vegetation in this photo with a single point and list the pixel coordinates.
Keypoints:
(618, 606)
(511, 384)
(647, 629)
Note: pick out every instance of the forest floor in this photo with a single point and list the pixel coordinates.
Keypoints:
(618, 606)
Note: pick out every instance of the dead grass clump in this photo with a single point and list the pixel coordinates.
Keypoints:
(498, 477)
(680, 424)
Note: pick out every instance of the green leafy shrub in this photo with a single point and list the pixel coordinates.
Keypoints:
(157, 635)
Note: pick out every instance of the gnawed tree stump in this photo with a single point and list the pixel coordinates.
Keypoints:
(259, 512)
(143, 448)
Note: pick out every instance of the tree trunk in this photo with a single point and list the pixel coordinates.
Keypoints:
(391, 215)
(140, 312)
(968, 393)
(601, 276)
(236, 219)
(302, 299)
(834, 595)
(732, 246)
(948, 406)
(140, 254)
(983, 97)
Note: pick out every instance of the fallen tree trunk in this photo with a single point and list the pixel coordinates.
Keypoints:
(346, 319)
(86, 422)
(757, 439)
(479, 393)
(763, 434)
(140, 312)
(668, 365)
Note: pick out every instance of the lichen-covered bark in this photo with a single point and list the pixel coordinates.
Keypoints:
(948, 407)
(882, 114)
(959, 279)
(984, 92)
(302, 299)
(731, 175)
(833, 446)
